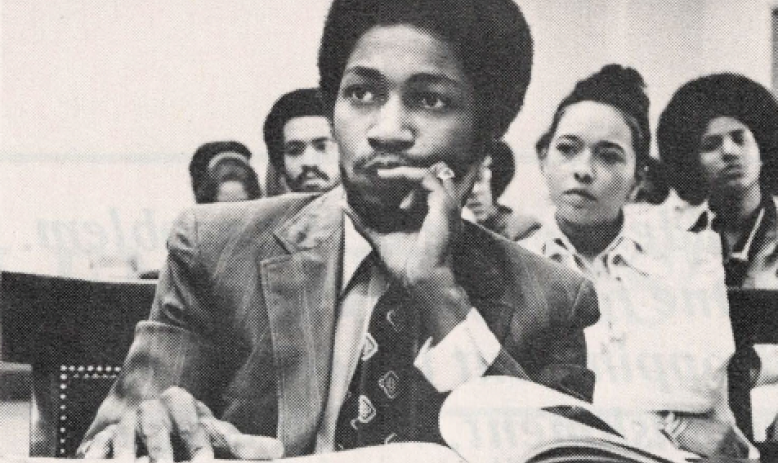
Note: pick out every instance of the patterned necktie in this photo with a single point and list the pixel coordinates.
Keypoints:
(378, 406)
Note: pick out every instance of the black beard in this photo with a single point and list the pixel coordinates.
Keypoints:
(382, 213)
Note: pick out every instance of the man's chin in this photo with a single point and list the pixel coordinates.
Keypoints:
(382, 212)
(391, 219)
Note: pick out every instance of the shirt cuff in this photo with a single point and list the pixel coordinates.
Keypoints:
(465, 353)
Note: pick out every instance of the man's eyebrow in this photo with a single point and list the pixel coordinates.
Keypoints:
(435, 78)
(420, 78)
(611, 144)
(364, 72)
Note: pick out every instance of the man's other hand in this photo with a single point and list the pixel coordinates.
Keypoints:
(176, 416)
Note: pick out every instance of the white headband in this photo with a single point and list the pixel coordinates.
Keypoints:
(227, 155)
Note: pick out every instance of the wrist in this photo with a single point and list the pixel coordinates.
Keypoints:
(442, 304)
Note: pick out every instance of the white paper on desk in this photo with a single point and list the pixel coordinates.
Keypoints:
(408, 452)
(499, 419)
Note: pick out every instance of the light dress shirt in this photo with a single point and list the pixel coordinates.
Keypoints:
(664, 338)
(465, 353)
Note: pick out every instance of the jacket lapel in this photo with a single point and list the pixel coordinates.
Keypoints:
(300, 291)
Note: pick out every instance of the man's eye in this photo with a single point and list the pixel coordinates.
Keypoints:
(738, 137)
(321, 145)
(710, 144)
(566, 148)
(430, 100)
(360, 94)
(293, 150)
(611, 156)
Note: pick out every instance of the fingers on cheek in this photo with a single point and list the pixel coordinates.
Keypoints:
(441, 192)
(410, 199)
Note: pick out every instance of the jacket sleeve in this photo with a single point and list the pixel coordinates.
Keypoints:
(558, 359)
(565, 368)
(172, 347)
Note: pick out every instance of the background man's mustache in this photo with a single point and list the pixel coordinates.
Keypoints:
(311, 170)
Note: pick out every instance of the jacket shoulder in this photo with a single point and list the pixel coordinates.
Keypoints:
(220, 221)
(209, 230)
(536, 283)
(531, 264)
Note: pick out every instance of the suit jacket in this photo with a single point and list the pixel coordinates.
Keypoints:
(244, 315)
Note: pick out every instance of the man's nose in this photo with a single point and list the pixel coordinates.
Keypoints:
(309, 156)
(391, 129)
(729, 149)
(583, 170)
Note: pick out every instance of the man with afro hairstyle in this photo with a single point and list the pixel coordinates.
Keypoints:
(312, 323)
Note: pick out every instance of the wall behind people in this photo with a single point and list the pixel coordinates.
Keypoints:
(124, 92)
(668, 42)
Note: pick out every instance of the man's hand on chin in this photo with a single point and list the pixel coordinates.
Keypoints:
(422, 259)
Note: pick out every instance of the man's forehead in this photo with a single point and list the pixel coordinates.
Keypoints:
(724, 124)
(407, 51)
(306, 128)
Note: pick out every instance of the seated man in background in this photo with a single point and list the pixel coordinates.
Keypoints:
(303, 155)
(718, 138)
(496, 173)
(317, 323)
(220, 172)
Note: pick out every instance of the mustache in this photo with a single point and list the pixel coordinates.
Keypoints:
(375, 161)
(313, 170)
(386, 160)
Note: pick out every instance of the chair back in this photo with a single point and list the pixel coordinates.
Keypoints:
(75, 333)
(754, 315)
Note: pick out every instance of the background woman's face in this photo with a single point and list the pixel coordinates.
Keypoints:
(729, 156)
(590, 164)
(230, 191)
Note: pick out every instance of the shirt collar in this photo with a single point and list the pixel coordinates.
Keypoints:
(701, 217)
(628, 248)
(355, 249)
(744, 252)
(690, 217)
